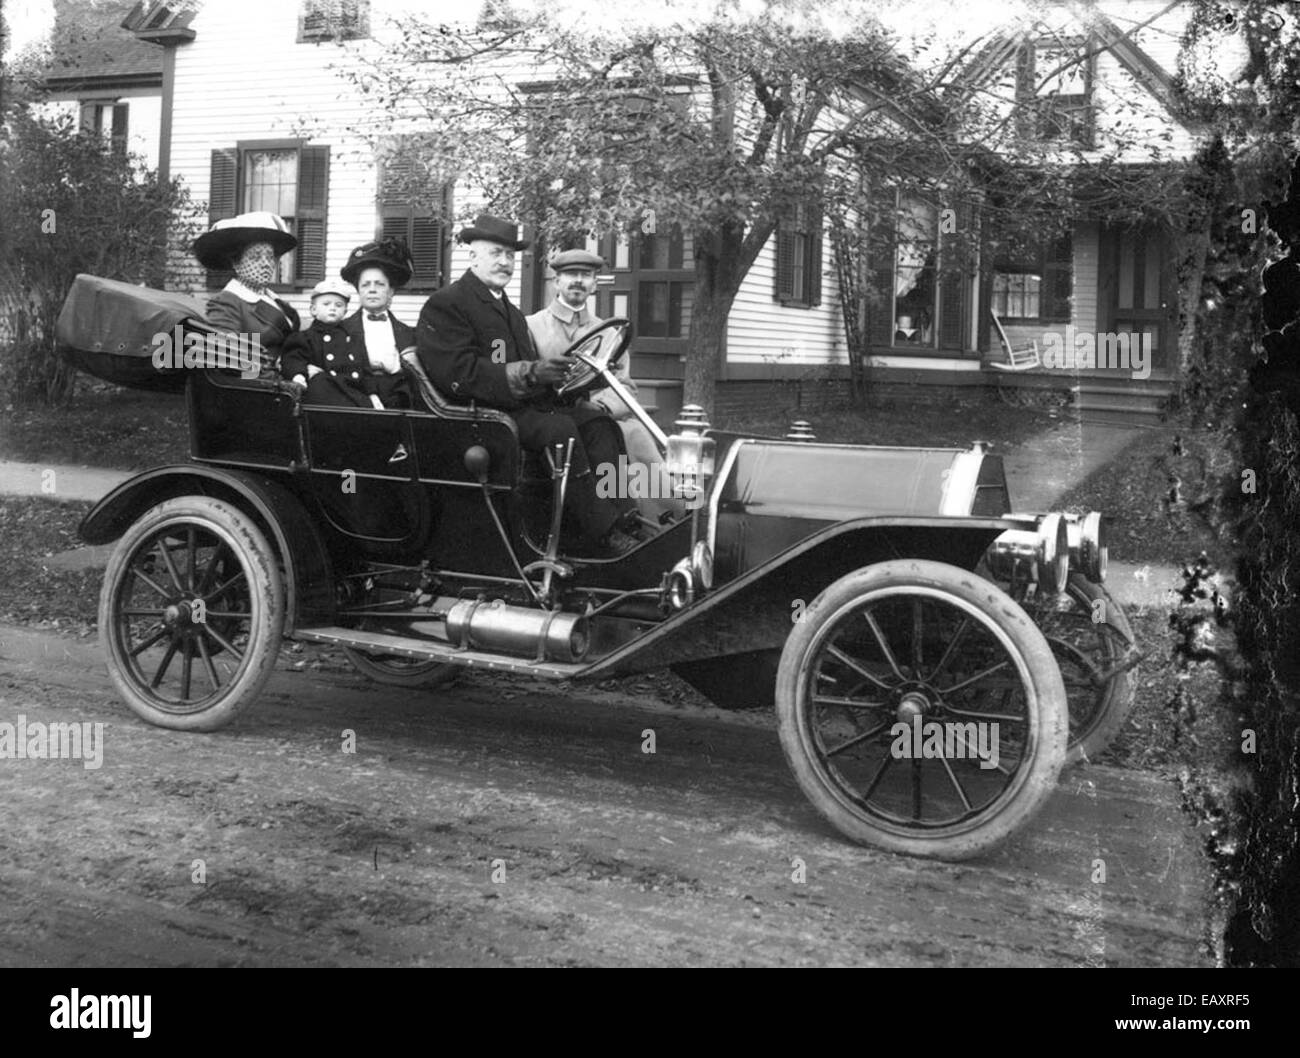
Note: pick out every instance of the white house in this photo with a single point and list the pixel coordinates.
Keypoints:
(256, 115)
(107, 78)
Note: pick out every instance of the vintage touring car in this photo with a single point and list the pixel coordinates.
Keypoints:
(933, 658)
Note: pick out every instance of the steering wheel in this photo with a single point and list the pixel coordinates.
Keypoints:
(593, 354)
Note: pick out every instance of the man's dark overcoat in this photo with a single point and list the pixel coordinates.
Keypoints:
(465, 339)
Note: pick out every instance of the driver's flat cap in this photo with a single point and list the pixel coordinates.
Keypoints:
(576, 259)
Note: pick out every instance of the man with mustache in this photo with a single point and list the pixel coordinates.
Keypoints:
(474, 345)
(565, 320)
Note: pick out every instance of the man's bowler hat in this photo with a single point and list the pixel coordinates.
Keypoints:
(494, 229)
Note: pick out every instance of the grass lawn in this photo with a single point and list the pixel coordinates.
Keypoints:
(119, 428)
(1135, 490)
(30, 593)
(930, 422)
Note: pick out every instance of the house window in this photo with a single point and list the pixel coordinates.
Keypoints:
(1055, 91)
(107, 120)
(915, 265)
(923, 282)
(653, 285)
(333, 20)
(799, 256)
(1033, 282)
(285, 177)
(1016, 295)
(414, 206)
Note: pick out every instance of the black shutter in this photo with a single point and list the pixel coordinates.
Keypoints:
(119, 128)
(987, 266)
(814, 268)
(785, 257)
(424, 230)
(952, 285)
(881, 250)
(313, 198)
(1058, 272)
(223, 202)
(426, 243)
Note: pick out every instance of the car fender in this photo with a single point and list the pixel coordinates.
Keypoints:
(756, 610)
(309, 581)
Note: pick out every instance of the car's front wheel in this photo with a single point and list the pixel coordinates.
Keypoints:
(191, 613)
(921, 710)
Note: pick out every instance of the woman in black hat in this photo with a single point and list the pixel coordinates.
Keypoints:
(378, 270)
(249, 245)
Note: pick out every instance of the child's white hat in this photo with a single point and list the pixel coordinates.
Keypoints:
(333, 286)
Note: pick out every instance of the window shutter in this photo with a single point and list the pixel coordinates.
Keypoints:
(426, 243)
(423, 231)
(784, 258)
(950, 309)
(881, 250)
(87, 123)
(313, 198)
(223, 188)
(315, 20)
(987, 266)
(1058, 274)
(119, 127)
(952, 285)
(814, 269)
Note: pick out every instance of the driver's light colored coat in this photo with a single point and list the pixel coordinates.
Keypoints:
(557, 327)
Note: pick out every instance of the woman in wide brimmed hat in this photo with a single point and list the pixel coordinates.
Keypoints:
(249, 245)
(378, 270)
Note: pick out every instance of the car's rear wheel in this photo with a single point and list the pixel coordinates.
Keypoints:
(396, 671)
(191, 613)
(887, 658)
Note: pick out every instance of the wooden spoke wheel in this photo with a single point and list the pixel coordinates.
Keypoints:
(191, 613)
(921, 710)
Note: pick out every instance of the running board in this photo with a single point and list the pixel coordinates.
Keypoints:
(404, 646)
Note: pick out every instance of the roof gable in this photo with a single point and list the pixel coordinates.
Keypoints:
(993, 58)
(89, 45)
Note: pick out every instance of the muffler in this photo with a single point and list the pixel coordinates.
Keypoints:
(547, 635)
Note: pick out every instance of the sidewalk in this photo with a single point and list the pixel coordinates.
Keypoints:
(56, 482)
(1038, 472)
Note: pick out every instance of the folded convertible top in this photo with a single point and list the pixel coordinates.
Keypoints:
(112, 329)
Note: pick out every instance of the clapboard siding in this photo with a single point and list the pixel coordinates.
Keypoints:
(762, 330)
(234, 85)
(245, 77)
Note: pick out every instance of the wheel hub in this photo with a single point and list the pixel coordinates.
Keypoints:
(178, 617)
(912, 705)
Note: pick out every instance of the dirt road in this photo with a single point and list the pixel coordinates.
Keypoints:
(504, 822)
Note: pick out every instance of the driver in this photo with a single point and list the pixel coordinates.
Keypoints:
(474, 345)
(566, 319)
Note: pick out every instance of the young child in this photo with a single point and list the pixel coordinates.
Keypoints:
(324, 358)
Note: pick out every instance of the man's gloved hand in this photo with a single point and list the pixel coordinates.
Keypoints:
(552, 370)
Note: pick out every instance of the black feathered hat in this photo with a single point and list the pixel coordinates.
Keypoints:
(391, 255)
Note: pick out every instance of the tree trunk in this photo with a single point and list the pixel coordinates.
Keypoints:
(1190, 252)
(848, 269)
(717, 281)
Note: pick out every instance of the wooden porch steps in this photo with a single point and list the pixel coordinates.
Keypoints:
(1121, 400)
(1097, 397)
